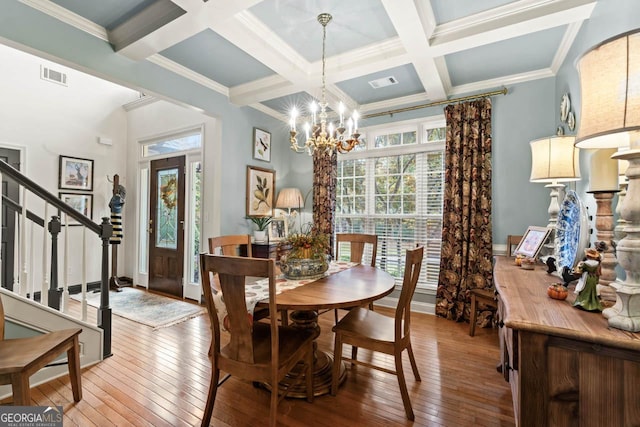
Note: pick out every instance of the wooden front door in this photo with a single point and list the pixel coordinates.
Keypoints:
(11, 190)
(166, 226)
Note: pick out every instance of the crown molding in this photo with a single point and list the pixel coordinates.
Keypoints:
(140, 102)
(502, 81)
(187, 73)
(565, 45)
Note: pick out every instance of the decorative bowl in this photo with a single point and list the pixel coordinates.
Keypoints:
(303, 268)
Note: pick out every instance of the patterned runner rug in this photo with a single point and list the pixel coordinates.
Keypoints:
(147, 308)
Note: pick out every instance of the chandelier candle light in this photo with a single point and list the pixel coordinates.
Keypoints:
(320, 135)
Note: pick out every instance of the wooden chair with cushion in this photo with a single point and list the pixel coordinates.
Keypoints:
(512, 244)
(257, 351)
(369, 329)
(20, 358)
(357, 243)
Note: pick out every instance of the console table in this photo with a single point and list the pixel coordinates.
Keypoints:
(566, 366)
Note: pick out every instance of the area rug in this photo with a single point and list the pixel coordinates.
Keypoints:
(147, 308)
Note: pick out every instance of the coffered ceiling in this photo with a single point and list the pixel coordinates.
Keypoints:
(267, 53)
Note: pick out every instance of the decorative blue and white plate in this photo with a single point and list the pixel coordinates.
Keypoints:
(572, 231)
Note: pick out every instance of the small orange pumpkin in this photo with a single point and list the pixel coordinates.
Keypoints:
(557, 291)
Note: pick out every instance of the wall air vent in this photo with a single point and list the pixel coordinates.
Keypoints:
(385, 81)
(54, 76)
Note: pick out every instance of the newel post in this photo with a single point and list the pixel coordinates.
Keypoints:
(53, 293)
(104, 312)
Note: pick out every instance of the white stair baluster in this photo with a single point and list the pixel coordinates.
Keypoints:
(44, 289)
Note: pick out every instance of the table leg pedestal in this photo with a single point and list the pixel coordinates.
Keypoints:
(323, 362)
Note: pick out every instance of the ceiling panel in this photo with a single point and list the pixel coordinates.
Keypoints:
(361, 91)
(513, 56)
(214, 57)
(355, 24)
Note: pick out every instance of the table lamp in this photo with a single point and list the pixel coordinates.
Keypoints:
(610, 118)
(290, 198)
(554, 159)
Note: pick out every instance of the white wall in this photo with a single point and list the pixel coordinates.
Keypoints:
(49, 119)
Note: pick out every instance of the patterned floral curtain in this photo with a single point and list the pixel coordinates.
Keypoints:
(466, 260)
(325, 168)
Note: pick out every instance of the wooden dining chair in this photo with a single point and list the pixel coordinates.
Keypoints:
(257, 351)
(20, 358)
(357, 243)
(512, 243)
(480, 296)
(365, 328)
(230, 244)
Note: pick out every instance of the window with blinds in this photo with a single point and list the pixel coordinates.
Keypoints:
(393, 187)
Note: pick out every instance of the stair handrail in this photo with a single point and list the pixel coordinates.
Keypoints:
(41, 192)
(11, 204)
(103, 231)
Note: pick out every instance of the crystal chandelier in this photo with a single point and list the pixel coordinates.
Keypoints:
(322, 136)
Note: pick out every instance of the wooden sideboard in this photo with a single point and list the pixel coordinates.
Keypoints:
(566, 366)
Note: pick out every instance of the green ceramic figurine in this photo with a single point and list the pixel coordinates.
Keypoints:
(590, 269)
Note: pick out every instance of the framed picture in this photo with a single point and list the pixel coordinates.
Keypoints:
(278, 229)
(532, 241)
(261, 145)
(75, 174)
(83, 203)
(260, 191)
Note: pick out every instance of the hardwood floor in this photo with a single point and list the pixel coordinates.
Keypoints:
(160, 378)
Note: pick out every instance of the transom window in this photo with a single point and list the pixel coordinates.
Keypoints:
(393, 187)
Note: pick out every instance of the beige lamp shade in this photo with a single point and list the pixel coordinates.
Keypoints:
(603, 174)
(610, 90)
(554, 159)
(290, 198)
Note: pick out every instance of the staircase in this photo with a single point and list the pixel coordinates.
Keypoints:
(38, 296)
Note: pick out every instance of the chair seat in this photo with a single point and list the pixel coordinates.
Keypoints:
(32, 350)
(291, 340)
(364, 322)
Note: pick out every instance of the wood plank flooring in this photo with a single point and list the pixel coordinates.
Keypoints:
(160, 378)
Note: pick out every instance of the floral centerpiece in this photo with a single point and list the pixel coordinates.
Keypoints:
(307, 257)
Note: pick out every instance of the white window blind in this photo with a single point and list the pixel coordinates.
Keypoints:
(394, 189)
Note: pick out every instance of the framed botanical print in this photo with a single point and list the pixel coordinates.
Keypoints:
(260, 191)
(261, 145)
(75, 173)
(83, 203)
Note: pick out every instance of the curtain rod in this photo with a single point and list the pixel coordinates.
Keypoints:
(432, 104)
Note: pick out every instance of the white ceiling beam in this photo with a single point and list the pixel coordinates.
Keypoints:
(408, 24)
(198, 17)
(505, 22)
(341, 67)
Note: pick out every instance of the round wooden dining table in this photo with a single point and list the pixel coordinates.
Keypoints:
(356, 286)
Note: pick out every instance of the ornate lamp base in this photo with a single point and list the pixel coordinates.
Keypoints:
(625, 314)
